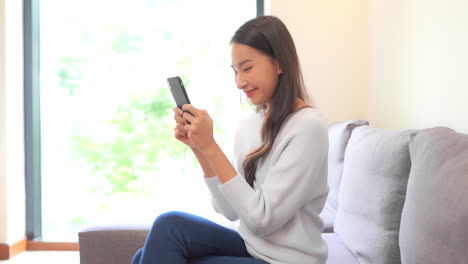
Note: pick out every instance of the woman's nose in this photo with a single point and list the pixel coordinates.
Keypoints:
(241, 83)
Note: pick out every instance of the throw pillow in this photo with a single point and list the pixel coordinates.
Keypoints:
(372, 194)
(435, 214)
(338, 136)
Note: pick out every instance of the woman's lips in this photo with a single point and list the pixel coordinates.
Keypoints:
(250, 93)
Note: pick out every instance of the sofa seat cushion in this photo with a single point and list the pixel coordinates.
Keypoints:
(338, 137)
(372, 193)
(328, 215)
(435, 214)
(337, 251)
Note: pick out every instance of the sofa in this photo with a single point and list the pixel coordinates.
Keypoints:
(395, 197)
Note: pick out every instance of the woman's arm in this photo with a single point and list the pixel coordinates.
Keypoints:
(297, 172)
(181, 135)
(220, 163)
(296, 175)
(205, 165)
(219, 203)
(200, 133)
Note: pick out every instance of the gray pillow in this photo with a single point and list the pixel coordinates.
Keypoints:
(338, 135)
(435, 214)
(372, 194)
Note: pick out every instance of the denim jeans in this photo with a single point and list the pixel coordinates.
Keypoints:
(181, 238)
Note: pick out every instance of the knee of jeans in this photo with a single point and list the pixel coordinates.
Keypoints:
(137, 256)
(169, 220)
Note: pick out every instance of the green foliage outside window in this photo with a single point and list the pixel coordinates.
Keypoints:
(143, 138)
(122, 152)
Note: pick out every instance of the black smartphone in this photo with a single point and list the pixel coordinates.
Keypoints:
(178, 91)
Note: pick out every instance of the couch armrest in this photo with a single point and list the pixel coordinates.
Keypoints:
(104, 244)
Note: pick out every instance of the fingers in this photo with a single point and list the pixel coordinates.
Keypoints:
(191, 109)
(177, 110)
(189, 118)
(191, 113)
(188, 115)
(179, 119)
(180, 127)
(179, 134)
(178, 115)
(187, 129)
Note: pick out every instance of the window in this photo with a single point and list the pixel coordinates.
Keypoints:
(104, 149)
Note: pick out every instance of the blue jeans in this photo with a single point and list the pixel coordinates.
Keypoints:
(181, 238)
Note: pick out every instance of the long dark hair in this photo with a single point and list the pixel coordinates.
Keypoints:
(269, 35)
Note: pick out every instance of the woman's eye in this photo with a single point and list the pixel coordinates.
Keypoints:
(249, 68)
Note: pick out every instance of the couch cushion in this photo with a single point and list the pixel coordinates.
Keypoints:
(435, 214)
(372, 193)
(337, 251)
(338, 134)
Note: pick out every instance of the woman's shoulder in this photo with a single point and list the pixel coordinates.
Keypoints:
(302, 121)
(309, 111)
(305, 127)
(305, 132)
(307, 118)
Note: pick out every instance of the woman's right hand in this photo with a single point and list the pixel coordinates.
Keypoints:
(179, 131)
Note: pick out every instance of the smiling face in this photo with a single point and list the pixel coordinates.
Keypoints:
(256, 73)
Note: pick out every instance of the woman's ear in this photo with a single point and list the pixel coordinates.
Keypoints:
(278, 68)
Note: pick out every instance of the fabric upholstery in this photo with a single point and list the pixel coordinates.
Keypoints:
(338, 135)
(435, 214)
(111, 243)
(372, 193)
(337, 251)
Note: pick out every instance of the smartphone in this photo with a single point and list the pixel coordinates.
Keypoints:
(178, 91)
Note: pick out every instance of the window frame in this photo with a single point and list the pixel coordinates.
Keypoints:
(32, 120)
(32, 117)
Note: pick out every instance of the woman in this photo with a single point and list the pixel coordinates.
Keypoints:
(277, 184)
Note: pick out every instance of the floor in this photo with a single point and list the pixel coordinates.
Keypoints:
(49, 257)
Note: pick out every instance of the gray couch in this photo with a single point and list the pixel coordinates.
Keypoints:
(395, 197)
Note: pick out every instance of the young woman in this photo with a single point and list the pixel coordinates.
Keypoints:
(277, 184)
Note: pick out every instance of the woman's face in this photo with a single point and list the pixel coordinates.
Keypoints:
(256, 74)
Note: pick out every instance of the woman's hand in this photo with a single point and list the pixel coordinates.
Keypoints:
(179, 131)
(196, 130)
(198, 127)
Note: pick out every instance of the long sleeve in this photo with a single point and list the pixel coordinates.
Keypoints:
(279, 216)
(297, 165)
(219, 203)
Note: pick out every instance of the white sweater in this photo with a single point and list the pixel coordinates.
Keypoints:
(279, 218)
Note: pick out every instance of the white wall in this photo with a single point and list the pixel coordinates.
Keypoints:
(400, 64)
(418, 64)
(12, 186)
(331, 38)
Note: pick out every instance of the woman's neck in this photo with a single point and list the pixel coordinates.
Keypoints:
(300, 104)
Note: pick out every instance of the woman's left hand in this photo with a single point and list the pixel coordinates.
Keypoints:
(200, 128)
